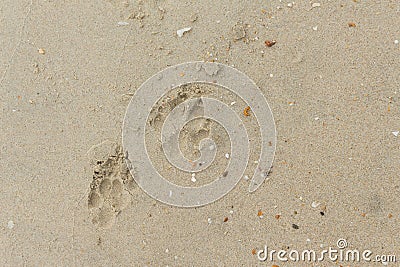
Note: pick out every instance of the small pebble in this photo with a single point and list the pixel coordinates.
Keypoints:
(396, 41)
(315, 204)
(290, 4)
(315, 5)
(351, 24)
(41, 51)
(295, 226)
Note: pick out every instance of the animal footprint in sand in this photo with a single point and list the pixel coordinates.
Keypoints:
(111, 185)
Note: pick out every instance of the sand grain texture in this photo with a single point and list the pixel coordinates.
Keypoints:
(69, 68)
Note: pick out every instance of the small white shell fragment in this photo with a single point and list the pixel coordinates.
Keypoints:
(271, 75)
(193, 178)
(396, 133)
(231, 211)
(315, 28)
(10, 225)
(233, 103)
(315, 5)
(396, 41)
(315, 204)
(227, 155)
(290, 4)
(170, 193)
(123, 23)
(182, 31)
(209, 220)
(246, 177)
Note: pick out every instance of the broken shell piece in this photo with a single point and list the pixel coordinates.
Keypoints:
(182, 31)
(10, 225)
(123, 23)
(270, 43)
(260, 214)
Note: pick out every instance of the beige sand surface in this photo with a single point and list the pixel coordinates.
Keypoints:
(69, 68)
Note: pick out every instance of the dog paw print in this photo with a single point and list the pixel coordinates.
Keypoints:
(111, 184)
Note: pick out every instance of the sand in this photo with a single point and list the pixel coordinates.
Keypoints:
(68, 70)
